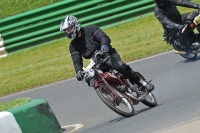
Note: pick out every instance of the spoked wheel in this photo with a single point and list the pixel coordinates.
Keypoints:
(150, 100)
(116, 100)
(178, 47)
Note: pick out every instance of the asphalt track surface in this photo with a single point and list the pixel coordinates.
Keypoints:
(177, 89)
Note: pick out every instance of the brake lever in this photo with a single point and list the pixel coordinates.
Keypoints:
(105, 59)
(97, 53)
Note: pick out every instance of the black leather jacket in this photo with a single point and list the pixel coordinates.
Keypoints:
(169, 16)
(91, 39)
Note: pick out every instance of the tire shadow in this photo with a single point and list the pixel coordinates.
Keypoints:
(188, 61)
(136, 113)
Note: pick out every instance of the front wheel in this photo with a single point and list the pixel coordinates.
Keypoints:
(115, 100)
(150, 100)
(177, 46)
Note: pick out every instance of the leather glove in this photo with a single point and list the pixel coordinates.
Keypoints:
(104, 48)
(179, 27)
(79, 76)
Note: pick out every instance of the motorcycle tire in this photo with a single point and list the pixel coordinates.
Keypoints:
(178, 47)
(150, 100)
(106, 95)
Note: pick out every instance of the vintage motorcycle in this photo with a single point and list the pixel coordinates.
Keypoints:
(192, 26)
(113, 89)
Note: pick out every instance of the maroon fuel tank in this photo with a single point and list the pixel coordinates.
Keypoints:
(111, 78)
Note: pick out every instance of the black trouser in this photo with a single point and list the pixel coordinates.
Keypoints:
(120, 66)
(117, 64)
(123, 68)
(185, 39)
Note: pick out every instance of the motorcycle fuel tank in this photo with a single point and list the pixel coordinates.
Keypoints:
(111, 78)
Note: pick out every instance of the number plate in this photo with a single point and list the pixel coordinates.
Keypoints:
(89, 66)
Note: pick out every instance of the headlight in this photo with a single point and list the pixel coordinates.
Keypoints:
(90, 73)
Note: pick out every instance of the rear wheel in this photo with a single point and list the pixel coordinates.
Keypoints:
(178, 47)
(150, 100)
(115, 100)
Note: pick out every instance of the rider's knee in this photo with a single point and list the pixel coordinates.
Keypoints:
(125, 70)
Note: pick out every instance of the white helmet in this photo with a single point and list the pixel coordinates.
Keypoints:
(71, 21)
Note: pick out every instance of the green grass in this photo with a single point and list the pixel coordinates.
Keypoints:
(14, 103)
(10, 8)
(51, 62)
(13, 7)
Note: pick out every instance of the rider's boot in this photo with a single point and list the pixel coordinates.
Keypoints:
(140, 81)
(165, 37)
(192, 45)
(195, 46)
(148, 86)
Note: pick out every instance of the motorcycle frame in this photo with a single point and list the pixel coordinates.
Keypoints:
(109, 89)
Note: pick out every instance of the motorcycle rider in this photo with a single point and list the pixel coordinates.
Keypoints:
(172, 21)
(85, 41)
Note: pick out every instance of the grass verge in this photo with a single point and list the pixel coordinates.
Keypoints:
(14, 103)
(13, 7)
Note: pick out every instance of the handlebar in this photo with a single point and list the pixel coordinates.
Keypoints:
(85, 71)
(100, 57)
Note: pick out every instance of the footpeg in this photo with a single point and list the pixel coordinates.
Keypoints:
(195, 46)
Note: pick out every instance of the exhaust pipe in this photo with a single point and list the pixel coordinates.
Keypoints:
(179, 52)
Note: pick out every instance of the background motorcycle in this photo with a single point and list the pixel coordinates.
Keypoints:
(192, 22)
(112, 87)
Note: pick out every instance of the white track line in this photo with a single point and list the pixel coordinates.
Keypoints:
(76, 127)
